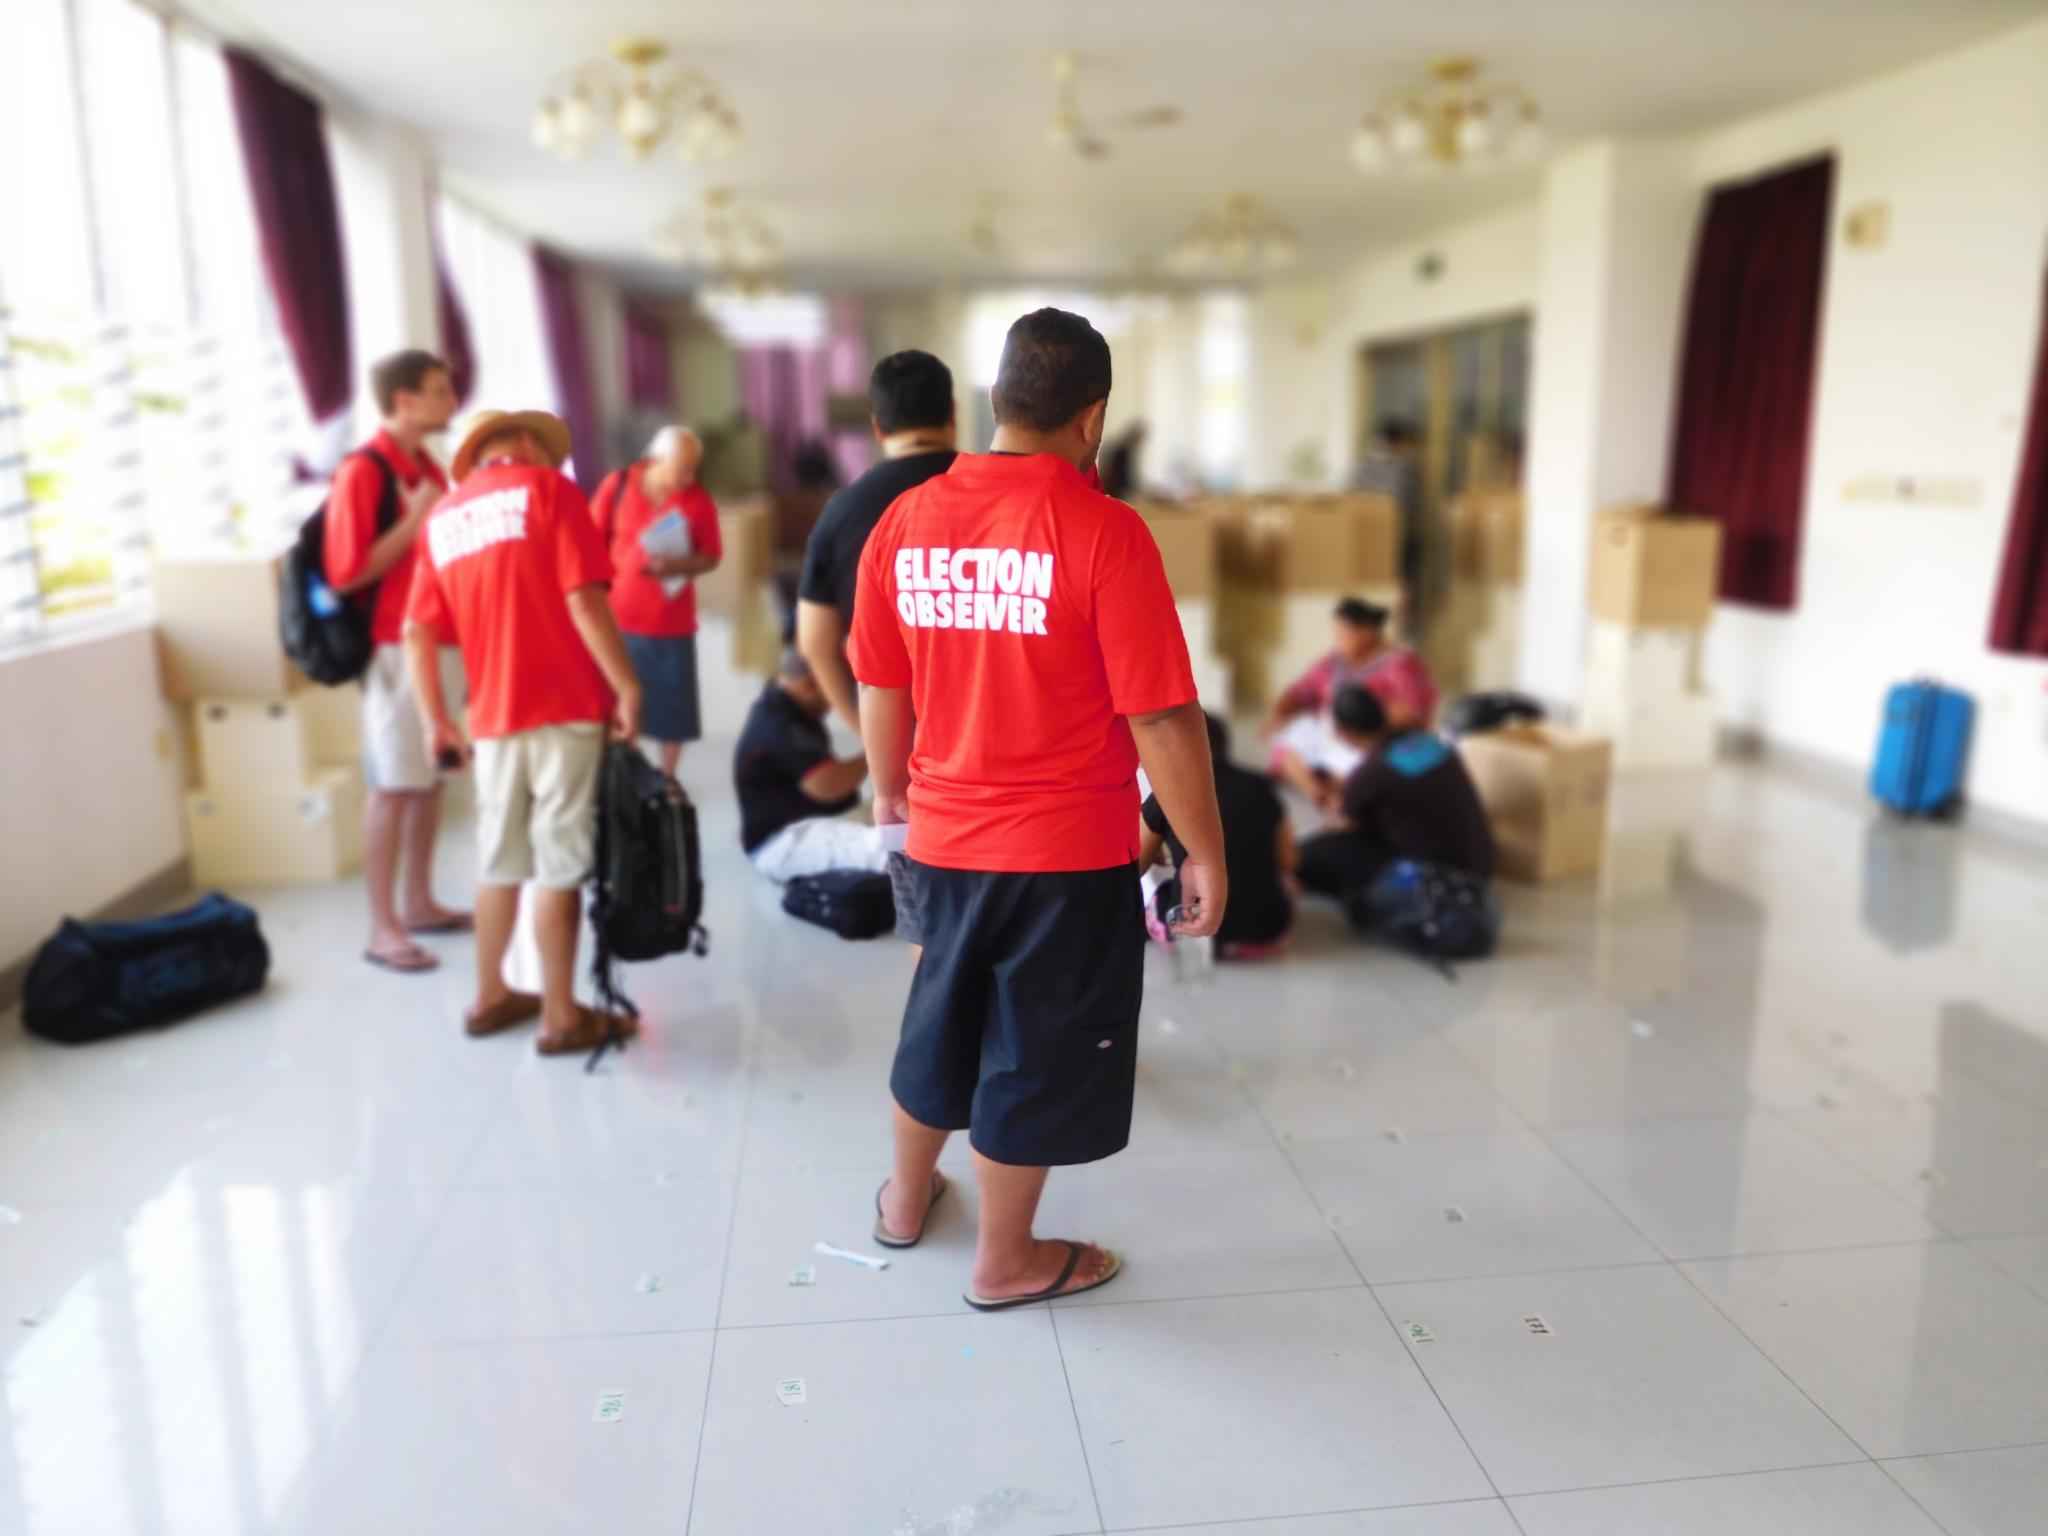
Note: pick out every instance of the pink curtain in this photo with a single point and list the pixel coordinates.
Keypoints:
(562, 317)
(650, 382)
(458, 351)
(846, 373)
(782, 390)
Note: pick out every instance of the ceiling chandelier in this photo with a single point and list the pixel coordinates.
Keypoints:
(1453, 121)
(647, 100)
(1244, 238)
(723, 237)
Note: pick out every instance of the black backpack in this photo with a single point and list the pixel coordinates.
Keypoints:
(91, 981)
(1432, 910)
(647, 892)
(326, 634)
(853, 903)
(1477, 712)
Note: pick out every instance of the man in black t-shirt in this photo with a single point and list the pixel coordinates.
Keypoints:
(1258, 849)
(793, 792)
(1410, 799)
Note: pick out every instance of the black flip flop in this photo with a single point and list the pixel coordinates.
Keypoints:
(886, 1238)
(1057, 1288)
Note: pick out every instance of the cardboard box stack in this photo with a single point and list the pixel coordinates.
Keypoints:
(1297, 558)
(1487, 537)
(276, 786)
(1187, 542)
(1651, 590)
(740, 636)
(1545, 792)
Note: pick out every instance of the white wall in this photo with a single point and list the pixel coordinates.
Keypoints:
(92, 784)
(1927, 345)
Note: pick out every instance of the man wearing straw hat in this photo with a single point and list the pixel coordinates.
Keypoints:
(514, 572)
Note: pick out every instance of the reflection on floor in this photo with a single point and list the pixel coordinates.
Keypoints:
(1720, 1208)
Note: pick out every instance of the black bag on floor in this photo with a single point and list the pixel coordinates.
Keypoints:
(647, 890)
(91, 981)
(1477, 712)
(1430, 910)
(326, 634)
(853, 903)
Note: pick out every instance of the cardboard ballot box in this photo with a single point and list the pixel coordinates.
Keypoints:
(217, 631)
(1652, 567)
(1545, 790)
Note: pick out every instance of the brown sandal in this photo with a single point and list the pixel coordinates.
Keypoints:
(511, 1009)
(592, 1027)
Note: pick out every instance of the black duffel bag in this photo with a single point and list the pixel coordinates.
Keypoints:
(91, 981)
(853, 903)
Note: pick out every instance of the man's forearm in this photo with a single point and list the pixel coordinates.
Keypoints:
(423, 662)
(591, 613)
(821, 641)
(384, 553)
(886, 726)
(1173, 744)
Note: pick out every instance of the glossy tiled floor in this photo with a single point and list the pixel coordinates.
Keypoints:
(1721, 1209)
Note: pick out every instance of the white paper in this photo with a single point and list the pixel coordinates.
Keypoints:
(865, 1261)
(1419, 1333)
(1537, 1326)
(792, 1391)
(804, 1274)
(611, 1406)
(895, 835)
(648, 1283)
(668, 538)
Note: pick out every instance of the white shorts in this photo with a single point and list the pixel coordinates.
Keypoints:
(395, 750)
(819, 843)
(536, 805)
(1315, 741)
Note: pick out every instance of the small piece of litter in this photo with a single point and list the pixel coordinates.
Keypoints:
(611, 1406)
(1929, 1176)
(648, 1283)
(1342, 1070)
(864, 1260)
(1537, 1326)
(1826, 1100)
(1397, 1136)
(1287, 1138)
(1454, 1214)
(1419, 1333)
(1340, 1223)
(9, 1216)
(666, 1177)
(803, 1170)
(966, 1354)
(792, 1391)
(804, 1274)
(37, 1318)
(1642, 1029)
(1236, 1071)
(1168, 1027)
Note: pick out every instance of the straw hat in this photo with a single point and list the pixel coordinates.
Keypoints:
(551, 431)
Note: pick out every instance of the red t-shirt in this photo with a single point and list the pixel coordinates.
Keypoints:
(623, 514)
(1028, 615)
(352, 499)
(499, 557)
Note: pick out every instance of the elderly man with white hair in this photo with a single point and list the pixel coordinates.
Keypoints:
(661, 527)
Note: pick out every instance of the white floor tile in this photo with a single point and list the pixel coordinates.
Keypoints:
(548, 1261)
(1980, 1493)
(1976, 1167)
(978, 1420)
(1443, 1207)
(2024, 1258)
(627, 1123)
(1709, 1188)
(1638, 1379)
(1585, 1066)
(505, 1438)
(1912, 1350)
(1256, 1406)
(1856, 1500)
(1467, 1518)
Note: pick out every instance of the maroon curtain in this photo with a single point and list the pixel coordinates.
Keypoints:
(650, 383)
(2019, 619)
(457, 350)
(298, 222)
(562, 316)
(1745, 382)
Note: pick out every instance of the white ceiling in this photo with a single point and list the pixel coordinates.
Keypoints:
(873, 125)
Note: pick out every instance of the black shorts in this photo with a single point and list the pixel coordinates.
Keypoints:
(1022, 1025)
(903, 889)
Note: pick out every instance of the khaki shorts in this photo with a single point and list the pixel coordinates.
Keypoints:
(395, 755)
(536, 805)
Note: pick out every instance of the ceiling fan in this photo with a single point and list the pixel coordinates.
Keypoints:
(1069, 131)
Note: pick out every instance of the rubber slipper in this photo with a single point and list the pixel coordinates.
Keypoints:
(455, 922)
(888, 1239)
(513, 1008)
(1057, 1288)
(418, 961)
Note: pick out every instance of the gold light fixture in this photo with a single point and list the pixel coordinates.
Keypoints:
(647, 100)
(1241, 240)
(1454, 121)
(725, 239)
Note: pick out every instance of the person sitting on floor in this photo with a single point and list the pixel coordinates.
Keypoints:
(1258, 850)
(1409, 798)
(1308, 753)
(793, 792)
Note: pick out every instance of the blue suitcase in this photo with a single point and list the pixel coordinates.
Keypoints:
(1920, 748)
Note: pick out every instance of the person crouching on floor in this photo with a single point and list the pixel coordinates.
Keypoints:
(514, 574)
(1258, 850)
(793, 793)
(1409, 798)
(1308, 753)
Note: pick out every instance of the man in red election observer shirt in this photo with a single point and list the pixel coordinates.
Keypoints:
(1022, 620)
(393, 478)
(515, 572)
(654, 595)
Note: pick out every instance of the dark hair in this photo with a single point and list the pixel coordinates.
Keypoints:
(1219, 736)
(1393, 430)
(1055, 365)
(1360, 614)
(1359, 711)
(401, 371)
(910, 389)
